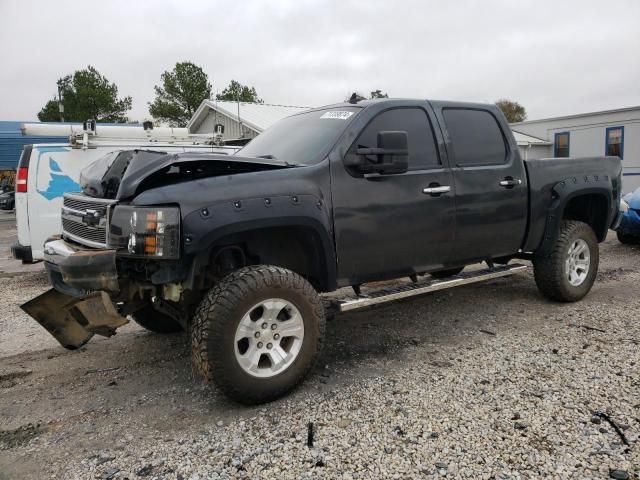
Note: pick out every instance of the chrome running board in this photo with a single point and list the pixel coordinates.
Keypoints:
(425, 286)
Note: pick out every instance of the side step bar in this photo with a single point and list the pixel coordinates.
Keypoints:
(426, 286)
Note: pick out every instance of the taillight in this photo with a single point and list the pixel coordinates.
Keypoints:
(21, 180)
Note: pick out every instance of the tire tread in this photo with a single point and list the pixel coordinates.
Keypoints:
(216, 308)
(549, 269)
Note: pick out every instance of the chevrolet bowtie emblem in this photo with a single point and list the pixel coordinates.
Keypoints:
(92, 217)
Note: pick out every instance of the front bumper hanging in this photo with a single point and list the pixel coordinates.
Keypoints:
(73, 321)
(79, 305)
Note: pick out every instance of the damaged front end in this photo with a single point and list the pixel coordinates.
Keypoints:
(116, 257)
(79, 305)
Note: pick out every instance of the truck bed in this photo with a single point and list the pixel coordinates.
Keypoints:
(599, 174)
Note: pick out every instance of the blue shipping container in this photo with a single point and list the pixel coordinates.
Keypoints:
(12, 141)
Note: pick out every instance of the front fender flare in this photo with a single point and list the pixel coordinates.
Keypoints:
(204, 227)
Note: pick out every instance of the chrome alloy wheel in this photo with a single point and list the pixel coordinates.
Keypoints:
(269, 337)
(577, 262)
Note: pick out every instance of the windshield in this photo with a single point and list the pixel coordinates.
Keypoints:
(304, 138)
(102, 177)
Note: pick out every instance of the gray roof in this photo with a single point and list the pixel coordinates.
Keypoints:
(256, 116)
(579, 115)
(522, 139)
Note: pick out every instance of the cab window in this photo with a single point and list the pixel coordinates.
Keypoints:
(423, 153)
(476, 137)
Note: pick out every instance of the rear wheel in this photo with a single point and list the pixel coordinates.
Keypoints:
(154, 321)
(257, 333)
(568, 272)
(450, 272)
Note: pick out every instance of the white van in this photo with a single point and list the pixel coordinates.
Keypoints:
(47, 171)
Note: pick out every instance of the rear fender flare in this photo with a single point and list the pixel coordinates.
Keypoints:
(565, 191)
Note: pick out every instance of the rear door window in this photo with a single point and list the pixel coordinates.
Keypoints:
(423, 153)
(476, 137)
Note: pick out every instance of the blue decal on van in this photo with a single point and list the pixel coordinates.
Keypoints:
(59, 183)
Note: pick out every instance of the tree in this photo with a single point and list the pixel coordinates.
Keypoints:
(87, 95)
(236, 92)
(182, 91)
(512, 110)
(378, 94)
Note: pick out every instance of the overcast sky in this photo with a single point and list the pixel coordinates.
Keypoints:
(554, 57)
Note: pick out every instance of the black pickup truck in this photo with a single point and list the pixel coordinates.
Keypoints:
(236, 249)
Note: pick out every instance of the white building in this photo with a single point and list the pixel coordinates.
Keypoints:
(610, 132)
(239, 119)
(531, 147)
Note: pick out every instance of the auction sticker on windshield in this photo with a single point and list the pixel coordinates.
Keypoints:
(337, 115)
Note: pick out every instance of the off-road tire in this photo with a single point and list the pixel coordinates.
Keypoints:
(216, 319)
(627, 239)
(550, 271)
(154, 321)
(450, 272)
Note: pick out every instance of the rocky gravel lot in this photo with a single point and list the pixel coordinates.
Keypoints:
(485, 381)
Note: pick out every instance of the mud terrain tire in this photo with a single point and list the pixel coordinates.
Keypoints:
(230, 307)
(558, 274)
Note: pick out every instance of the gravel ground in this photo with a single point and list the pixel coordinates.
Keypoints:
(484, 381)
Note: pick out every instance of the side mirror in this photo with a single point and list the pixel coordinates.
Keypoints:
(389, 157)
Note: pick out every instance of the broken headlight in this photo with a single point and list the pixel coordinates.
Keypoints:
(145, 231)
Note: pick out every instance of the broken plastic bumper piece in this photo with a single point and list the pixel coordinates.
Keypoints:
(73, 321)
(75, 271)
(79, 305)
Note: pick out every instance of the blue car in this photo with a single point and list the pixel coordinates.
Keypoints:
(629, 229)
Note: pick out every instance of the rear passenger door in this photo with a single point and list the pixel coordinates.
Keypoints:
(490, 182)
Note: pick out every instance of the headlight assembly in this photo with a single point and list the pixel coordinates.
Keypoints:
(145, 231)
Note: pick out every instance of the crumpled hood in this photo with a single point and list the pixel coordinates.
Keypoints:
(123, 174)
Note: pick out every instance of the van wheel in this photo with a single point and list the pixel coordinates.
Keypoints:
(154, 321)
(450, 272)
(257, 333)
(568, 272)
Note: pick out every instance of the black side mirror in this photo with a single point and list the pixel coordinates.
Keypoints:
(390, 156)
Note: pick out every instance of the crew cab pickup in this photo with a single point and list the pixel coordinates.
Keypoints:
(236, 249)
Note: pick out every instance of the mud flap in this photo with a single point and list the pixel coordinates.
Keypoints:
(73, 321)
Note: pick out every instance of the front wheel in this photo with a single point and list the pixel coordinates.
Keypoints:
(257, 333)
(568, 272)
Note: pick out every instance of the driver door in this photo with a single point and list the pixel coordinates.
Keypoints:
(393, 224)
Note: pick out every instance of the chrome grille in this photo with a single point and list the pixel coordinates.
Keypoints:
(78, 204)
(82, 232)
(85, 219)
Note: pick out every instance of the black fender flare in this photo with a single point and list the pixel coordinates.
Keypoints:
(204, 227)
(566, 190)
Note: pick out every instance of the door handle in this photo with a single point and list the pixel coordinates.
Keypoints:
(510, 182)
(437, 190)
